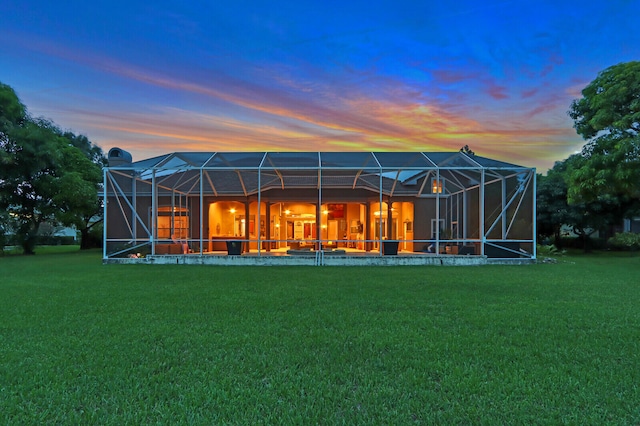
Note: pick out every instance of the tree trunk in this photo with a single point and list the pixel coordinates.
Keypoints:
(29, 241)
(557, 238)
(85, 240)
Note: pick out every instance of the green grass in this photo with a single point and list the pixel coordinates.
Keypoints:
(86, 343)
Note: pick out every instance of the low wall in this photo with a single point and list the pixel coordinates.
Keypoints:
(328, 260)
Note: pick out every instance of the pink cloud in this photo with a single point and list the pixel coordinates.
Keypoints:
(294, 114)
(448, 76)
(497, 92)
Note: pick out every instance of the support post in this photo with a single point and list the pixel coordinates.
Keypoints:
(104, 213)
(267, 224)
(483, 237)
(201, 212)
(437, 187)
(367, 226)
(504, 210)
(154, 212)
(389, 220)
(534, 213)
(318, 243)
(247, 220)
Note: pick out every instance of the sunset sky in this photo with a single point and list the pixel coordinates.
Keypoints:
(163, 76)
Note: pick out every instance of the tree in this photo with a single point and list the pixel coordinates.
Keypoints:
(583, 217)
(77, 197)
(12, 111)
(31, 155)
(551, 203)
(12, 115)
(608, 117)
(466, 150)
(554, 210)
(46, 174)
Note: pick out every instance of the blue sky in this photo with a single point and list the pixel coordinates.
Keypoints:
(158, 77)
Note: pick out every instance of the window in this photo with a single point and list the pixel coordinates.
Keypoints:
(437, 186)
(173, 222)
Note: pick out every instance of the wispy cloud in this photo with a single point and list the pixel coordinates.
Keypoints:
(508, 101)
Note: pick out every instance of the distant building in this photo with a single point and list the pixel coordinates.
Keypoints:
(631, 225)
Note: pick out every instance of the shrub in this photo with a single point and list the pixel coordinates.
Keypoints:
(94, 237)
(625, 241)
(550, 250)
(592, 243)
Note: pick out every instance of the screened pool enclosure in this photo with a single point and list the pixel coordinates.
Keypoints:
(296, 203)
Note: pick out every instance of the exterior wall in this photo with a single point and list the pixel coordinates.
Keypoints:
(194, 217)
(492, 209)
(425, 210)
(117, 221)
(473, 214)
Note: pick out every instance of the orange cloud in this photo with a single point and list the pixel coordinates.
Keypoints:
(287, 114)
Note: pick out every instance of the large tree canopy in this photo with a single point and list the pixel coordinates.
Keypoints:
(45, 174)
(610, 103)
(553, 211)
(583, 218)
(608, 117)
(30, 157)
(78, 195)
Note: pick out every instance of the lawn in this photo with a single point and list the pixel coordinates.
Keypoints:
(86, 343)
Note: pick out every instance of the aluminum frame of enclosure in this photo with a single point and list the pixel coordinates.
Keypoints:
(451, 198)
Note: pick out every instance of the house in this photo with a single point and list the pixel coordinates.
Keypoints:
(287, 203)
(631, 225)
